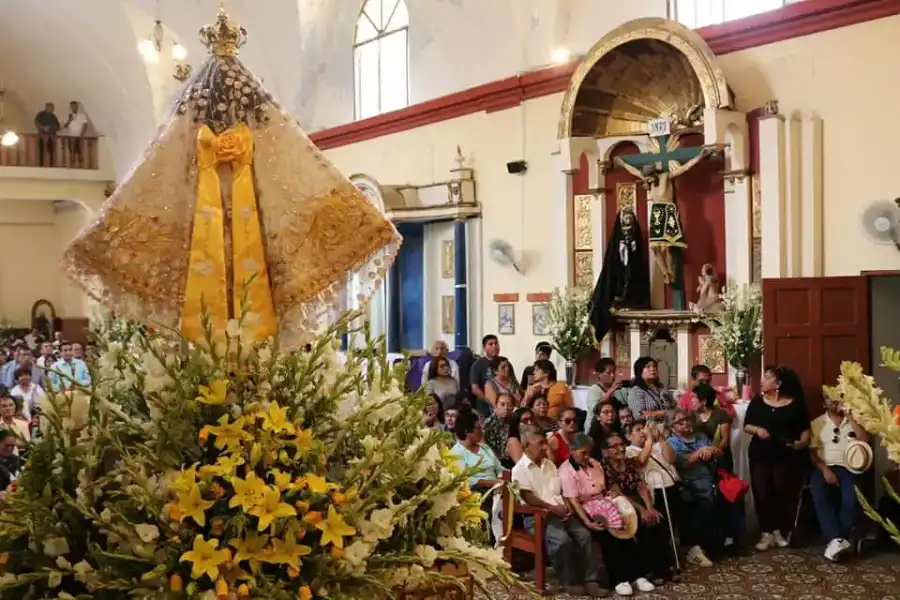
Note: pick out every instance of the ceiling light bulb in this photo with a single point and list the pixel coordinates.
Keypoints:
(148, 50)
(10, 138)
(179, 52)
(561, 55)
(882, 224)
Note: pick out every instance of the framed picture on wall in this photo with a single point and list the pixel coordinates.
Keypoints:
(539, 315)
(506, 319)
(448, 259)
(448, 314)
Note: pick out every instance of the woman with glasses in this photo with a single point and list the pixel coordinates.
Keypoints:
(779, 460)
(604, 425)
(623, 476)
(503, 383)
(542, 418)
(648, 398)
(522, 417)
(560, 441)
(441, 382)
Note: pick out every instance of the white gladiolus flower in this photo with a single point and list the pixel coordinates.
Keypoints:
(443, 503)
(57, 546)
(356, 553)
(428, 555)
(379, 526)
(147, 533)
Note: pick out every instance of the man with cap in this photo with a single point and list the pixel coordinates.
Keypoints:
(831, 434)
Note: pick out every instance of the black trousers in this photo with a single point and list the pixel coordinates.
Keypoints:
(46, 147)
(647, 554)
(776, 491)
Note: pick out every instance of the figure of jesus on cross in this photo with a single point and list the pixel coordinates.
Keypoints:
(657, 168)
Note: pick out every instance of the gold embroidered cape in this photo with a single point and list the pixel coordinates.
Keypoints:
(230, 198)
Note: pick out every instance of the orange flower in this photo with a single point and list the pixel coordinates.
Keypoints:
(339, 498)
(305, 593)
(203, 435)
(293, 573)
(175, 583)
(243, 591)
(313, 517)
(301, 506)
(217, 490)
(174, 512)
(337, 552)
(897, 415)
(4, 558)
(221, 590)
(218, 527)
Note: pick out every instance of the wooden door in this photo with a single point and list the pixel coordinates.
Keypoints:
(812, 324)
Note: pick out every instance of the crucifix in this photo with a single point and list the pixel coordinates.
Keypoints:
(657, 168)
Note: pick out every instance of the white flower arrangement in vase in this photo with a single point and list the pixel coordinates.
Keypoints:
(737, 328)
(568, 324)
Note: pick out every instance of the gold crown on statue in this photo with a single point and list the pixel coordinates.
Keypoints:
(223, 38)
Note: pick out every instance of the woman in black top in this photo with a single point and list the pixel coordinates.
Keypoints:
(779, 423)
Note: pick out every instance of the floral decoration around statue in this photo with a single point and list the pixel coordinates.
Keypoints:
(232, 470)
(736, 327)
(873, 410)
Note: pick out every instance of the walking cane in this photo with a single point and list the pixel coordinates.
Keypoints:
(655, 478)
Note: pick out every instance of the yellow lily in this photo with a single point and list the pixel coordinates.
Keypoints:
(247, 492)
(225, 466)
(317, 484)
(216, 393)
(194, 506)
(276, 420)
(229, 435)
(249, 549)
(282, 480)
(287, 552)
(206, 558)
(270, 508)
(304, 441)
(186, 480)
(334, 529)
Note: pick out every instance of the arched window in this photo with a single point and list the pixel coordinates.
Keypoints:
(700, 13)
(381, 57)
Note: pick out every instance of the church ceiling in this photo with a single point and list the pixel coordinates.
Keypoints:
(633, 83)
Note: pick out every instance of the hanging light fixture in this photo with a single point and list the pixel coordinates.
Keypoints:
(9, 137)
(151, 49)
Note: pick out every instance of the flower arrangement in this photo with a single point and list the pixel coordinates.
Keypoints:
(568, 320)
(231, 470)
(737, 328)
(868, 405)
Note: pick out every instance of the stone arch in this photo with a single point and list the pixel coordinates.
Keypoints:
(612, 92)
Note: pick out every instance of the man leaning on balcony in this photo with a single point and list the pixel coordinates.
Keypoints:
(48, 126)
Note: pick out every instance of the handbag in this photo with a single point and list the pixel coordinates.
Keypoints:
(732, 487)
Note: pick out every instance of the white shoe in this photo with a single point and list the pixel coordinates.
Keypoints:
(831, 550)
(844, 545)
(624, 589)
(696, 556)
(779, 539)
(765, 542)
(643, 585)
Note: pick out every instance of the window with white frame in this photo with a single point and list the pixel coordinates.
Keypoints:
(381, 57)
(700, 13)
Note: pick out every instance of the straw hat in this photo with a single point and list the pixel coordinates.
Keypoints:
(630, 519)
(858, 457)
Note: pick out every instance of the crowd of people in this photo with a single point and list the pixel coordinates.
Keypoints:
(669, 457)
(24, 381)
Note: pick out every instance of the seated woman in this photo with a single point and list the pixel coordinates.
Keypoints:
(702, 375)
(623, 476)
(648, 398)
(713, 422)
(522, 417)
(650, 449)
(584, 486)
(473, 454)
(557, 393)
(496, 427)
(559, 440)
(433, 413)
(604, 425)
(542, 418)
(503, 383)
(9, 408)
(441, 382)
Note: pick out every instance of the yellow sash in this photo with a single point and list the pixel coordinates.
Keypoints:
(207, 283)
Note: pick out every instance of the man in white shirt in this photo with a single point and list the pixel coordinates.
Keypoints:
(75, 127)
(440, 348)
(568, 540)
(830, 434)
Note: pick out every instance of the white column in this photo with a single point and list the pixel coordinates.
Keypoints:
(811, 185)
(634, 333)
(683, 339)
(738, 232)
(773, 188)
(561, 221)
(793, 153)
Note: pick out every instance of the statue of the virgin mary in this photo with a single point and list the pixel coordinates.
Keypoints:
(232, 198)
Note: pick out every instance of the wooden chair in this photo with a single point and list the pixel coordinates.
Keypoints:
(522, 539)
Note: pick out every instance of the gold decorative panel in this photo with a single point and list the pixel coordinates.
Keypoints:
(710, 354)
(584, 226)
(448, 259)
(584, 269)
(626, 196)
(756, 254)
(448, 314)
(623, 350)
(756, 199)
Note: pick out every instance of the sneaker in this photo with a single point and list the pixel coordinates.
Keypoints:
(831, 549)
(779, 539)
(643, 585)
(696, 556)
(843, 546)
(624, 589)
(765, 542)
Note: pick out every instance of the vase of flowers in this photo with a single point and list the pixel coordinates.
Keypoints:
(737, 329)
(233, 469)
(873, 410)
(568, 319)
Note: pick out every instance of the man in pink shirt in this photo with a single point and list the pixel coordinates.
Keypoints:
(702, 374)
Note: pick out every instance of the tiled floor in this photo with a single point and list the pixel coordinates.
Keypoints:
(781, 575)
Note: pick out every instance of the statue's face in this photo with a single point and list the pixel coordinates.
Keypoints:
(627, 218)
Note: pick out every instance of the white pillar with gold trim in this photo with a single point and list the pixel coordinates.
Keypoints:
(811, 175)
(773, 191)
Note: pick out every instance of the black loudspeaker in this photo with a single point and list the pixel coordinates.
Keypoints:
(516, 167)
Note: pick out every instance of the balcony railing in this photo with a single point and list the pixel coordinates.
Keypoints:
(51, 151)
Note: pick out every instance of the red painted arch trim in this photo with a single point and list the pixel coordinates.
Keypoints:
(803, 18)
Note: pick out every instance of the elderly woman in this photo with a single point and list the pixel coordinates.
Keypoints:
(542, 418)
(623, 476)
(584, 486)
(474, 454)
(496, 427)
(648, 398)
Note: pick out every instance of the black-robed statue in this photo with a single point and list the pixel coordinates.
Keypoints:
(624, 281)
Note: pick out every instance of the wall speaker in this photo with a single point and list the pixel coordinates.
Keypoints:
(516, 167)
